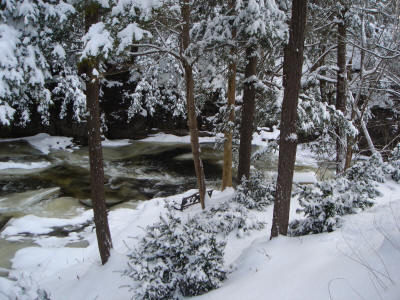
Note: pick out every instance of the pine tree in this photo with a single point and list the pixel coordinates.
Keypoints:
(192, 121)
(292, 70)
(231, 96)
(341, 93)
(88, 69)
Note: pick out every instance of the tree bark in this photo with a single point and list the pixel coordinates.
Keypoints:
(246, 124)
(341, 93)
(349, 149)
(227, 167)
(293, 62)
(192, 120)
(95, 151)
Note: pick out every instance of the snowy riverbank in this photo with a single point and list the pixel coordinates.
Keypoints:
(355, 262)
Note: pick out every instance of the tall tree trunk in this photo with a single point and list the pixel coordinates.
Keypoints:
(293, 62)
(95, 151)
(192, 120)
(349, 149)
(227, 167)
(246, 124)
(354, 101)
(341, 93)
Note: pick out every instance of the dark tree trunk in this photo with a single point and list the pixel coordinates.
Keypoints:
(293, 62)
(94, 139)
(246, 125)
(227, 167)
(341, 94)
(192, 121)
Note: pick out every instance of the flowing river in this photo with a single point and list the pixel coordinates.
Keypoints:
(56, 184)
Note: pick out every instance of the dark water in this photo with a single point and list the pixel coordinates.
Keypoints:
(135, 172)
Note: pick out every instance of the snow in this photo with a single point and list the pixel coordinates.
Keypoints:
(359, 261)
(19, 165)
(6, 113)
(59, 52)
(129, 34)
(144, 6)
(44, 142)
(292, 137)
(313, 267)
(97, 41)
(170, 138)
(263, 135)
(37, 225)
(304, 177)
(304, 157)
(115, 143)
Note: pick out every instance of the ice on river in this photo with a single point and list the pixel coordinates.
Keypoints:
(21, 165)
(45, 143)
(21, 202)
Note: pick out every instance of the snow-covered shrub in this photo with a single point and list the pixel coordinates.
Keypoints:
(25, 288)
(394, 161)
(204, 266)
(255, 192)
(320, 210)
(325, 202)
(230, 216)
(176, 257)
(370, 170)
(396, 175)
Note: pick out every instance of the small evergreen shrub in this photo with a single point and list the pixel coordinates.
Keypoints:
(25, 288)
(369, 170)
(324, 203)
(204, 267)
(180, 254)
(176, 258)
(320, 210)
(255, 192)
(228, 217)
(394, 162)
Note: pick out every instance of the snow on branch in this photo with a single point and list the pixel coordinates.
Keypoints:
(98, 42)
(131, 33)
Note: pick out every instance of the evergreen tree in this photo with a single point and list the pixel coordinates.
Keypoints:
(293, 62)
(88, 70)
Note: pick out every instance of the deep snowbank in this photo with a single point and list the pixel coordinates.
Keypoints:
(360, 261)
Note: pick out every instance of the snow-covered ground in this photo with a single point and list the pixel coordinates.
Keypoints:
(359, 261)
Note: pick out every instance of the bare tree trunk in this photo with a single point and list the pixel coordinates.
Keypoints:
(192, 121)
(341, 94)
(95, 151)
(97, 171)
(246, 124)
(293, 62)
(227, 167)
(366, 133)
(350, 144)
(354, 102)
